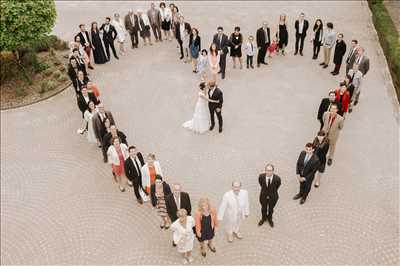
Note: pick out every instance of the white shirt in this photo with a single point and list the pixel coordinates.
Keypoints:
(84, 36)
(178, 201)
(166, 14)
(359, 60)
(268, 178)
(301, 25)
(87, 99)
(182, 30)
(212, 91)
(107, 27)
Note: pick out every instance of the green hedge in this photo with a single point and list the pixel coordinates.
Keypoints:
(389, 39)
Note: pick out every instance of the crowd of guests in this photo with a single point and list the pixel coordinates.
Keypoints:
(145, 175)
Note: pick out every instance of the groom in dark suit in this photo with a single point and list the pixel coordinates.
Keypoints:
(109, 35)
(269, 196)
(215, 94)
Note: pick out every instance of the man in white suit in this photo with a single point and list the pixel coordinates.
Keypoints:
(234, 208)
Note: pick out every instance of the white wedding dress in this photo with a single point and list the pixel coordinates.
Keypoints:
(200, 122)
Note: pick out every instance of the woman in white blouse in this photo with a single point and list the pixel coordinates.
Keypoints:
(183, 235)
(149, 171)
(166, 18)
(117, 154)
(121, 32)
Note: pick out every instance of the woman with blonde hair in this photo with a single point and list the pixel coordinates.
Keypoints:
(205, 223)
(149, 171)
(121, 32)
(282, 34)
(183, 235)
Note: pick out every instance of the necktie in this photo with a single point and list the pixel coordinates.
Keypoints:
(269, 182)
(220, 41)
(251, 46)
(137, 168)
(306, 159)
(352, 77)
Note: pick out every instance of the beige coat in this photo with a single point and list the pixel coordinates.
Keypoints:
(333, 132)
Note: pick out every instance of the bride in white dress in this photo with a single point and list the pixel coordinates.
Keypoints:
(200, 121)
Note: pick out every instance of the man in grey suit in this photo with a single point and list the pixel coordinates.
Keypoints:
(351, 58)
(132, 25)
(98, 123)
(362, 61)
(333, 123)
(155, 21)
(222, 42)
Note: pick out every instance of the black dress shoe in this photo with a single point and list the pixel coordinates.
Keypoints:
(223, 76)
(203, 254)
(181, 57)
(335, 74)
(298, 196)
(211, 128)
(90, 67)
(322, 64)
(295, 53)
(302, 201)
(332, 72)
(316, 185)
(271, 223)
(261, 222)
(301, 53)
(140, 201)
(220, 130)
(325, 66)
(116, 57)
(329, 162)
(173, 244)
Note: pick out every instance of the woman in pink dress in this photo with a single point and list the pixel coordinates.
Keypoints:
(117, 154)
(213, 63)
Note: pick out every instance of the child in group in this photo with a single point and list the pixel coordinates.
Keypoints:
(202, 64)
(250, 49)
(273, 47)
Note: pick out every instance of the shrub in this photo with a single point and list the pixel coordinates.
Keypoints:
(40, 66)
(63, 78)
(57, 74)
(47, 85)
(62, 68)
(57, 62)
(8, 67)
(20, 91)
(48, 72)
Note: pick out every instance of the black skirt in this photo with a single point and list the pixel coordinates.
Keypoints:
(207, 232)
(165, 25)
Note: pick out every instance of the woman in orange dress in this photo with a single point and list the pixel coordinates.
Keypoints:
(149, 171)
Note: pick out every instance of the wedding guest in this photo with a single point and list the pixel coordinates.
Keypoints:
(180, 29)
(85, 42)
(318, 31)
(109, 35)
(117, 154)
(263, 41)
(351, 57)
(362, 61)
(194, 47)
(133, 166)
(185, 45)
(206, 222)
(81, 82)
(166, 19)
(175, 18)
(108, 138)
(202, 64)
(92, 88)
(356, 77)
(215, 105)
(83, 100)
(73, 69)
(333, 123)
(340, 50)
(329, 41)
(98, 124)
(121, 32)
(325, 105)
(79, 56)
(99, 56)
(233, 209)
(301, 26)
(306, 167)
(321, 146)
(158, 191)
(149, 171)
(250, 49)
(183, 235)
(155, 21)
(132, 25)
(269, 196)
(82, 55)
(88, 122)
(282, 34)
(236, 41)
(273, 47)
(222, 42)
(343, 98)
(176, 201)
(144, 27)
(213, 63)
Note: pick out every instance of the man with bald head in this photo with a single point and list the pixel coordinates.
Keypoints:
(269, 196)
(177, 200)
(98, 123)
(233, 209)
(263, 41)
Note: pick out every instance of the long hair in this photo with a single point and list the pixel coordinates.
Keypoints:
(201, 201)
(325, 140)
(215, 51)
(321, 26)
(91, 27)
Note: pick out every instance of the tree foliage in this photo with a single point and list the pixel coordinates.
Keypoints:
(25, 22)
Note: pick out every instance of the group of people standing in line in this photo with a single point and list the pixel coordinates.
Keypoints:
(145, 175)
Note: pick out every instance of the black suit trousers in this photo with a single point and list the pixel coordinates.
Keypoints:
(134, 38)
(305, 188)
(299, 38)
(136, 185)
(107, 45)
(261, 54)
(180, 47)
(267, 209)
(219, 116)
(222, 63)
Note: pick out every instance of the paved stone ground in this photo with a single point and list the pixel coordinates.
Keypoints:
(60, 206)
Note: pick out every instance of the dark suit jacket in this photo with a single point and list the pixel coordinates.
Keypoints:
(130, 170)
(323, 107)
(224, 44)
(82, 39)
(350, 59)
(178, 30)
(196, 42)
(107, 139)
(305, 27)
(128, 24)
(109, 36)
(217, 95)
(98, 126)
(261, 39)
(340, 50)
(270, 192)
(172, 208)
(167, 191)
(364, 65)
(308, 170)
(82, 104)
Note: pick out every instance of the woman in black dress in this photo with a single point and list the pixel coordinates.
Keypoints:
(98, 50)
(317, 38)
(205, 224)
(321, 147)
(236, 47)
(282, 34)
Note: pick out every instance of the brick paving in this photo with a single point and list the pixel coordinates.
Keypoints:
(60, 206)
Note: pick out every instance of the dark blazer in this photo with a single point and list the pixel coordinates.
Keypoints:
(98, 126)
(305, 28)
(364, 65)
(217, 95)
(323, 107)
(130, 169)
(196, 42)
(82, 104)
(321, 149)
(308, 170)
(260, 37)
(172, 208)
(224, 44)
(108, 35)
(270, 192)
(178, 30)
(351, 57)
(340, 50)
(106, 142)
(129, 26)
(82, 39)
(167, 191)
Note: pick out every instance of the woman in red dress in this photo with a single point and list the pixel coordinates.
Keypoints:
(117, 154)
(343, 98)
